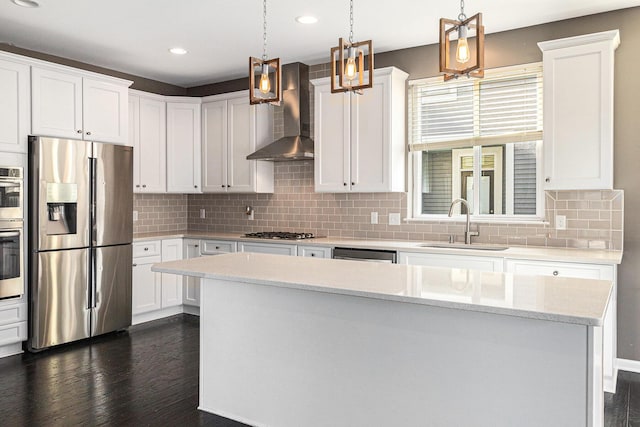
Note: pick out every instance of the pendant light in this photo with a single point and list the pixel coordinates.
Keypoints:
(469, 57)
(264, 74)
(348, 71)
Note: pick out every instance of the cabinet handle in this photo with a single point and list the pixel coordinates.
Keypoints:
(146, 249)
(353, 183)
(217, 247)
(555, 273)
(223, 186)
(134, 265)
(195, 246)
(137, 185)
(195, 186)
(344, 183)
(547, 179)
(79, 131)
(88, 133)
(144, 186)
(313, 254)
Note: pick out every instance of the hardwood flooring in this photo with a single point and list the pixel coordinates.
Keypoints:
(148, 376)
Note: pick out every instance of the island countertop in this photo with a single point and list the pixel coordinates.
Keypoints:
(568, 300)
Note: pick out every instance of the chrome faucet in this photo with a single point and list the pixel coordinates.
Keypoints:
(467, 231)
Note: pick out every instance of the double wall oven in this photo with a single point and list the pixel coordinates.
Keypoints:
(11, 232)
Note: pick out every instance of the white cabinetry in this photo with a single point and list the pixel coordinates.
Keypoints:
(183, 145)
(584, 271)
(360, 139)
(14, 105)
(268, 248)
(191, 289)
(147, 135)
(451, 261)
(69, 104)
(13, 325)
(578, 111)
(314, 251)
(146, 285)
(171, 283)
(233, 129)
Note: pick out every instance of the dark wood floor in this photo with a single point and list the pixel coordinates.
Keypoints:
(149, 376)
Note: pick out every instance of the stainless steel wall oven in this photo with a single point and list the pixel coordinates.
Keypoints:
(11, 193)
(11, 263)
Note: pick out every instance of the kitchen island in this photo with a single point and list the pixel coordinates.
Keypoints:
(298, 341)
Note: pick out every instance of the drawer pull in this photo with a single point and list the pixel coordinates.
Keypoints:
(195, 246)
(555, 273)
(134, 265)
(146, 249)
(547, 179)
(312, 254)
(217, 247)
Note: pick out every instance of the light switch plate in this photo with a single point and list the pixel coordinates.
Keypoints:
(561, 222)
(203, 213)
(394, 219)
(135, 215)
(374, 217)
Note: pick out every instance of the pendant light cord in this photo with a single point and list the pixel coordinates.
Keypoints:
(264, 30)
(351, 21)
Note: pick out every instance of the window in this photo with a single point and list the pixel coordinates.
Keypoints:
(479, 140)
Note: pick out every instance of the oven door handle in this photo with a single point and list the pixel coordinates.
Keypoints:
(9, 233)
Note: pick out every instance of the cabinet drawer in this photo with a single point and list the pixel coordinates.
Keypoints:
(268, 248)
(212, 247)
(14, 333)
(13, 314)
(451, 261)
(314, 251)
(150, 248)
(143, 260)
(560, 269)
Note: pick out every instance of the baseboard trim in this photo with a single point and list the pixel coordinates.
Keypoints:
(155, 315)
(191, 309)
(628, 365)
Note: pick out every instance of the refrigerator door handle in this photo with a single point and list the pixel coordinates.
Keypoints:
(93, 170)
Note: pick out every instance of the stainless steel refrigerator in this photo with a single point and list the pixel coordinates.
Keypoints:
(80, 233)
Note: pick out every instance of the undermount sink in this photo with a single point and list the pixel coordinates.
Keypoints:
(478, 247)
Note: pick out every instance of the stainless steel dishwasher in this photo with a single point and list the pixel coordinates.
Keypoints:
(370, 255)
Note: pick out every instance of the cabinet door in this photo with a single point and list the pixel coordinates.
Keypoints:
(104, 111)
(134, 138)
(171, 283)
(56, 100)
(183, 147)
(332, 135)
(152, 152)
(451, 261)
(241, 173)
(314, 251)
(578, 116)
(146, 288)
(370, 142)
(214, 150)
(14, 106)
(268, 248)
(191, 291)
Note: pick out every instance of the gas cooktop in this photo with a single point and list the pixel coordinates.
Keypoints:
(283, 235)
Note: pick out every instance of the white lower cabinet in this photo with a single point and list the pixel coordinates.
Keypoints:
(191, 285)
(314, 251)
(13, 325)
(155, 295)
(268, 248)
(583, 271)
(451, 261)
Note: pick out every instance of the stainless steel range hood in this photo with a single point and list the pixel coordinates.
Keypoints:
(296, 143)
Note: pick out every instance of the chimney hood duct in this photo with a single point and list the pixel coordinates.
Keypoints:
(296, 143)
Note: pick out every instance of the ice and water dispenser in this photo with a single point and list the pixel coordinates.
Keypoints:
(62, 208)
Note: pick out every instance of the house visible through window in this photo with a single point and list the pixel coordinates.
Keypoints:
(479, 140)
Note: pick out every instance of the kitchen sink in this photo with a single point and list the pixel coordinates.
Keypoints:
(479, 247)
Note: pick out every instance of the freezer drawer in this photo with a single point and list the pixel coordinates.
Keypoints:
(112, 297)
(60, 297)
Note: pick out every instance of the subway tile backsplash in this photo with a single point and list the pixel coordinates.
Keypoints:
(594, 218)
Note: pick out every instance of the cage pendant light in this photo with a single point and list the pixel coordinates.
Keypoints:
(351, 63)
(264, 74)
(469, 49)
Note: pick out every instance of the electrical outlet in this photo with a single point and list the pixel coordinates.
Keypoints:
(135, 215)
(561, 222)
(394, 219)
(374, 217)
(203, 213)
(251, 218)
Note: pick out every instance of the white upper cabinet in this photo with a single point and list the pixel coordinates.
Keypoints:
(233, 129)
(360, 139)
(578, 111)
(71, 105)
(147, 135)
(183, 146)
(14, 106)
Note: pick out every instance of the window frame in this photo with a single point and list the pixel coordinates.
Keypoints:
(415, 178)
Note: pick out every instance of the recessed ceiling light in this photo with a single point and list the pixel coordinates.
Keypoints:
(307, 19)
(178, 51)
(26, 3)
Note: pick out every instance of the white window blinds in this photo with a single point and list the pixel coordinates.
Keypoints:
(503, 107)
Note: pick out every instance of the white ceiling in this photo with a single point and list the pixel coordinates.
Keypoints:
(133, 35)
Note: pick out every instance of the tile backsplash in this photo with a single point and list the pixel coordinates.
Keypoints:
(594, 218)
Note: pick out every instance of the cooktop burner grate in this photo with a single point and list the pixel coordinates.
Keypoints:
(284, 235)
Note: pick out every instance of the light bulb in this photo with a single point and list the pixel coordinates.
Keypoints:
(265, 84)
(462, 51)
(350, 70)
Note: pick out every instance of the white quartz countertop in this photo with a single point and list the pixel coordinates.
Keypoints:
(589, 256)
(568, 300)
